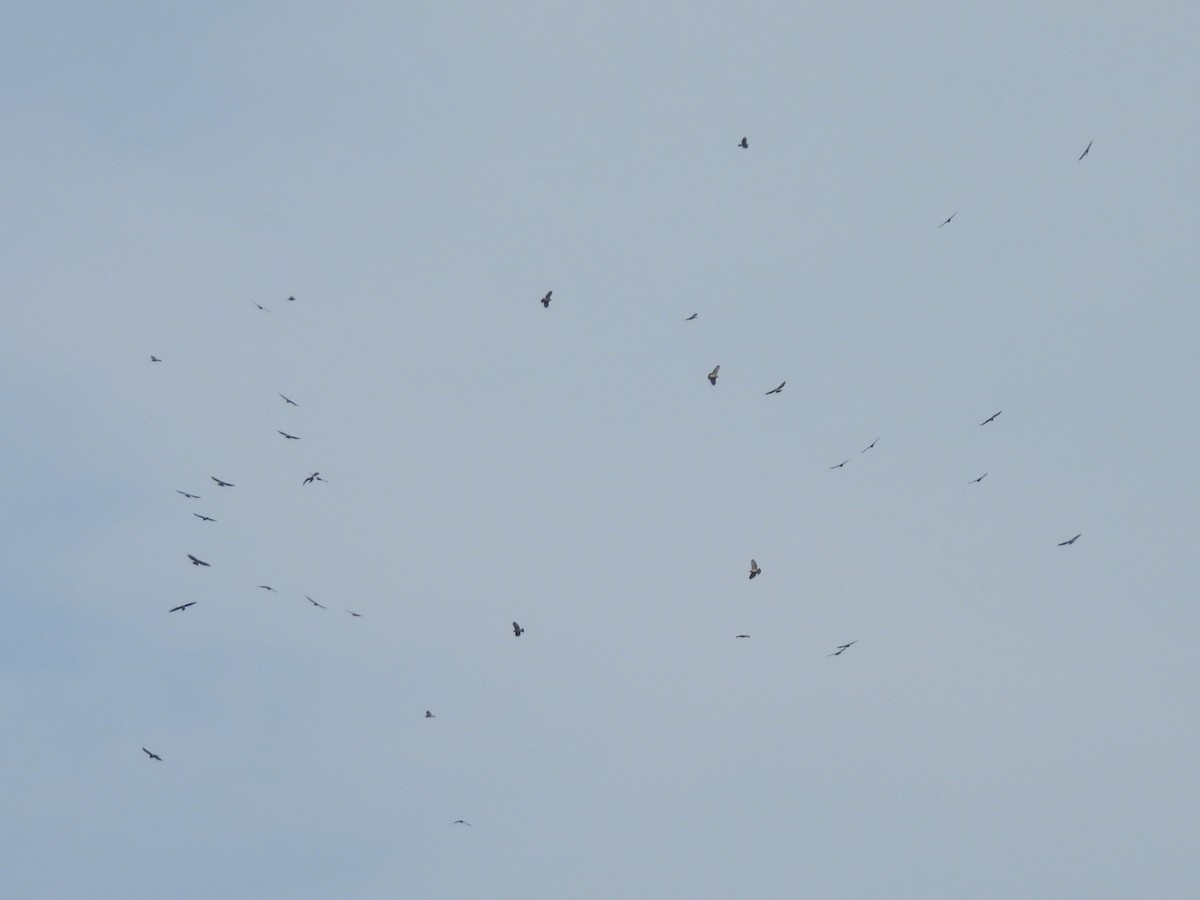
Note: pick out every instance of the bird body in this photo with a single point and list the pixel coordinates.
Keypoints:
(712, 376)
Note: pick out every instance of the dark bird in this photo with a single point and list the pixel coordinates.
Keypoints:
(313, 602)
(712, 376)
(315, 476)
(754, 569)
(839, 465)
(152, 755)
(222, 483)
(991, 418)
(429, 715)
(776, 390)
(745, 145)
(869, 446)
(290, 437)
(461, 822)
(267, 587)
(977, 480)
(181, 608)
(741, 635)
(518, 630)
(289, 400)
(196, 562)
(353, 613)
(692, 316)
(204, 518)
(952, 215)
(260, 306)
(546, 299)
(842, 648)
(154, 358)
(1085, 150)
(1072, 540)
(291, 299)
(189, 496)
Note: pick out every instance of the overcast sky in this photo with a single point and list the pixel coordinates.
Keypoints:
(1016, 719)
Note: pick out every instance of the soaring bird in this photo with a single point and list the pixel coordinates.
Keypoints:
(260, 306)
(776, 390)
(290, 400)
(429, 715)
(741, 635)
(315, 476)
(182, 607)
(291, 299)
(977, 480)
(546, 299)
(461, 822)
(869, 446)
(290, 437)
(189, 496)
(154, 358)
(518, 630)
(754, 569)
(1072, 540)
(204, 518)
(313, 602)
(196, 562)
(744, 144)
(353, 613)
(222, 483)
(267, 587)
(842, 648)
(152, 755)
(839, 465)
(991, 418)
(1085, 150)
(712, 376)
(952, 215)
(692, 316)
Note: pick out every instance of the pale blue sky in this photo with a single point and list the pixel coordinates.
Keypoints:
(1016, 720)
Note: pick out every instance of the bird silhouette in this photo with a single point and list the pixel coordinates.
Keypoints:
(429, 715)
(182, 607)
(313, 602)
(952, 215)
(754, 569)
(461, 822)
(189, 496)
(744, 144)
(290, 437)
(154, 358)
(152, 755)
(1085, 150)
(776, 390)
(1071, 541)
(977, 480)
(222, 483)
(291, 299)
(196, 562)
(741, 635)
(546, 299)
(692, 316)
(204, 518)
(260, 306)
(869, 446)
(289, 400)
(839, 465)
(842, 648)
(267, 587)
(991, 418)
(517, 630)
(712, 376)
(353, 613)
(315, 476)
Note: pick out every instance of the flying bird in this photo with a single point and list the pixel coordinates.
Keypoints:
(154, 358)
(952, 215)
(353, 613)
(189, 496)
(839, 465)
(754, 569)
(313, 602)
(204, 518)
(461, 822)
(842, 648)
(267, 587)
(291, 299)
(222, 483)
(744, 144)
(289, 400)
(991, 418)
(692, 316)
(1085, 150)
(1072, 540)
(741, 635)
(315, 476)
(429, 715)
(869, 446)
(776, 390)
(977, 480)
(152, 755)
(712, 376)
(546, 299)
(182, 607)
(290, 437)
(196, 562)
(518, 630)
(260, 306)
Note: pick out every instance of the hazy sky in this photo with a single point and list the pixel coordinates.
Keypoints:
(1016, 719)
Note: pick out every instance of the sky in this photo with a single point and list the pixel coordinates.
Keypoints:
(1014, 717)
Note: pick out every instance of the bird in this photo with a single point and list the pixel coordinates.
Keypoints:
(754, 569)
(260, 306)
(154, 358)
(152, 755)
(291, 299)
(189, 496)
(692, 316)
(1071, 541)
(952, 215)
(196, 562)
(1085, 150)
(290, 437)
(842, 648)
(517, 630)
(712, 376)
(221, 483)
(267, 587)
(182, 607)
(744, 144)
(991, 418)
(977, 480)
(313, 602)
(429, 715)
(839, 465)
(315, 476)
(290, 400)
(461, 822)
(204, 518)
(869, 446)
(546, 299)
(741, 635)
(353, 613)
(776, 390)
